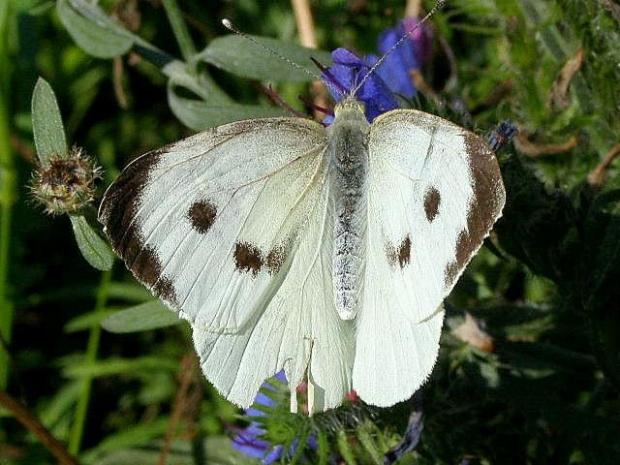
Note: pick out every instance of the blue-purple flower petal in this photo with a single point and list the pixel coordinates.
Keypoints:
(349, 70)
(249, 442)
(407, 57)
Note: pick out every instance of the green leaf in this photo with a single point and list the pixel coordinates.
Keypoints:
(364, 435)
(94, 249)
(344, 448)
(200, 115)
(323, 447)
(180, 74)
(218, 449)
(143, 317)
(129, 292)
(49, 132)
(93, 30)
(120, 366)
(545, 356)
(86, 321)
(239, 56)
(62, 402)
(209, 106)
(129, 436)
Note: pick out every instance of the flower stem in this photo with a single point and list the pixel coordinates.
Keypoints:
(7, 199)
(188, 50)
(79, 421)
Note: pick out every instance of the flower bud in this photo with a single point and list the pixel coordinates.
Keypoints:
(65, 184)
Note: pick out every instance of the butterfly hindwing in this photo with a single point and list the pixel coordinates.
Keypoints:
(209, 223)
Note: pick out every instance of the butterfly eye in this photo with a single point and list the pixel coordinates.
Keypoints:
(432, 200)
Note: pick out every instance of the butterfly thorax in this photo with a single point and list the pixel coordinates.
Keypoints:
(348, 156)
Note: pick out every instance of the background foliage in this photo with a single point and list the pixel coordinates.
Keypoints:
(544, 389)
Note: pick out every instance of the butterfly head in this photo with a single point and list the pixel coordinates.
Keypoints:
(349, 104)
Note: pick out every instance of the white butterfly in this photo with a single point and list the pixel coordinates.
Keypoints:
(326, 252)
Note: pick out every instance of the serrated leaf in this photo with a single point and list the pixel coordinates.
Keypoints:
(49, 132)
(94, 249)
(120, 366)
(143, 317)
(93, 30)
(239, 56)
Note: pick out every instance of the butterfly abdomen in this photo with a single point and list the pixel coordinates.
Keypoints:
(348, 151)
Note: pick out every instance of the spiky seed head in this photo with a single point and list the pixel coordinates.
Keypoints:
(65, 184)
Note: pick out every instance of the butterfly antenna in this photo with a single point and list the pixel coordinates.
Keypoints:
(231, 27)
(438, 5)
(338, 87)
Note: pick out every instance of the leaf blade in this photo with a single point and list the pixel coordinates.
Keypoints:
(143, 317)
(94, 249)
(93, 30)
(239, 56)
(49, 132)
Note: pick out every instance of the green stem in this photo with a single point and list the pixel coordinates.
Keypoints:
(188, 50)
(8, 195)
(77, 429)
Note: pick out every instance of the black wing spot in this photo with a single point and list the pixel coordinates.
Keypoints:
(248, 258)
(400, 255)
(432, 201)
(202, 215)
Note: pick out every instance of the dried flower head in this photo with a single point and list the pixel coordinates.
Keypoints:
(65, 184)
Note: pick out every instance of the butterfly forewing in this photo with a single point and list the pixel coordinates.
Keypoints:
(299, 330)
(434, 192)
(209, 223)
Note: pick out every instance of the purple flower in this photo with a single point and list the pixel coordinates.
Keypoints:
(407, 57)
(393, 76)
(348, 71)
(249, 440)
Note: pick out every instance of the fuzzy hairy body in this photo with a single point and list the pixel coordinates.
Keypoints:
(348, 155)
